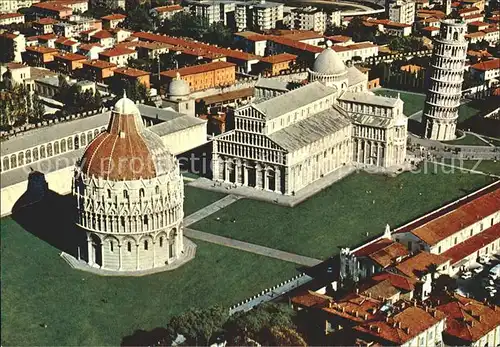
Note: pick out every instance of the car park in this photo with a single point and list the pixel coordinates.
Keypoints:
(484, 259)
(478, 269)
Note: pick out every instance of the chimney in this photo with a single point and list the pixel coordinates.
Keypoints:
(378, 329)
(399, 325)
(366, 316)
(407, 330)
(356, 314)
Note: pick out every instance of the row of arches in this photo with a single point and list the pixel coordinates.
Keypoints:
(48, 150)
(447, 76)
(441, 100)
(129, 224)
(133, 253)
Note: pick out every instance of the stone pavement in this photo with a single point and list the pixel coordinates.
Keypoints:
(210, 209)
(252, 248)
(277, 198)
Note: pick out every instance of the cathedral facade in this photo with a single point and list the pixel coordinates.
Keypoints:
(285, 140)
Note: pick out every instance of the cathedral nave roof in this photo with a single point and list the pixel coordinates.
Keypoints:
(310, 130)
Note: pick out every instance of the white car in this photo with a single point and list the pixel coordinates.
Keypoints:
(466, 275)
(478, 269)
(491, 289)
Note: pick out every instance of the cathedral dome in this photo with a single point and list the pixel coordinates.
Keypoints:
(127, 151)
(328, 62)
(178, 87)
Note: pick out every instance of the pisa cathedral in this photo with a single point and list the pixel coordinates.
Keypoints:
(287, 139)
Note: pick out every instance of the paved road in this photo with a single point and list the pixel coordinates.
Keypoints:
(252, 248)
(210, 209)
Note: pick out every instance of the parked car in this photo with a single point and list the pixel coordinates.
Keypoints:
(478, 269)
(491, 289)
(494, 272)
(466, 275)
(484, 259)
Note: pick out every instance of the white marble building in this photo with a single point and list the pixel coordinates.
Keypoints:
(445, 84)
(129, 194)
(287, 139)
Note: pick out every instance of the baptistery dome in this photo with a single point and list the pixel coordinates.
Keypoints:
(130, 194)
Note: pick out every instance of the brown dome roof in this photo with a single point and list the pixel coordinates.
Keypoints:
(126, 150)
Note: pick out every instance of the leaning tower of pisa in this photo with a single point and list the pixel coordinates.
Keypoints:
(445, 81)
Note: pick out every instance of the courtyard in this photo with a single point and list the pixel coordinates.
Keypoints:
(347, 213)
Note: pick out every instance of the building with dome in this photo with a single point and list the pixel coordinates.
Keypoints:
(130, 194)
(287, 139)
(179, 98)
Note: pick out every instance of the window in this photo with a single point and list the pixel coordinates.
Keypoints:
(146, 245)
(109, 193)
(129, 247)
(122, 221)
(481, 226)
(157, 190)
(456, 240)
(471, 232)
(141, 192)
(161, 241)
(125, 194)
(111, 246)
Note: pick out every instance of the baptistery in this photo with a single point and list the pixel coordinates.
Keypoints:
(129, 194)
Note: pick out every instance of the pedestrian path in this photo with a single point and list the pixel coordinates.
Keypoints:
(465, 169)
(210, 209)
(252, 248)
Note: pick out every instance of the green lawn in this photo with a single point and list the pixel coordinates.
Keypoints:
(468, 140)
(197, 198)
(487, 166)
(39, 287)
(343, 214)
(466, 111)
(413, 102)
(494, 142)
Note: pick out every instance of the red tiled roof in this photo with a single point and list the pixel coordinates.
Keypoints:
(463, 216)
(430, 28)
(10, 15)
(383, 251)
(100, 64)
(398, 281)
(474, 16)
(88, 46)
(473, 244)
(299, 35)
(279, 58)
(41, 49)
(115, 16)
(102, 34)
(418, 265)
(46, 21)
(470, 9)
(401, 327)
(310, 299)
(52, 6)
(478, 23)
(487, 65)
(476, 34)
(117, 51)
(47, 37)
(131, 72)
(191, 70)
(492, 29)
(295, 44)
(209, 49)
(339, 38)
(170, 8)
(69, 56)
(13, 66)
(467, 320)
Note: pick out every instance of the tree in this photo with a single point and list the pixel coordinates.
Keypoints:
(218, 34)
(38, 109)
(7, 51)
(283, 336)
(184, 24)
(257, 323)
(139, 19)
(198, 326)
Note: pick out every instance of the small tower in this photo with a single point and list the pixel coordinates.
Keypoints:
(445, 84)
(447, 8)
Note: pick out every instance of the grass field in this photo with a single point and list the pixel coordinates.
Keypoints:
(197, 198)
(466, 111)
(412, 102)
(468, 140)
(343, 214)
(38, 287)
(487, 166)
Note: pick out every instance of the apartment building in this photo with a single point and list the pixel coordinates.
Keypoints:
(111, 21)
(132, 76)
(258, 15)
(97, 70)
(402, 11)
(166, 12)
(118, 56)
(11, 18)
(487, 71)
(205, 76)
(74, 25)
(308, 18)
(11, 6)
